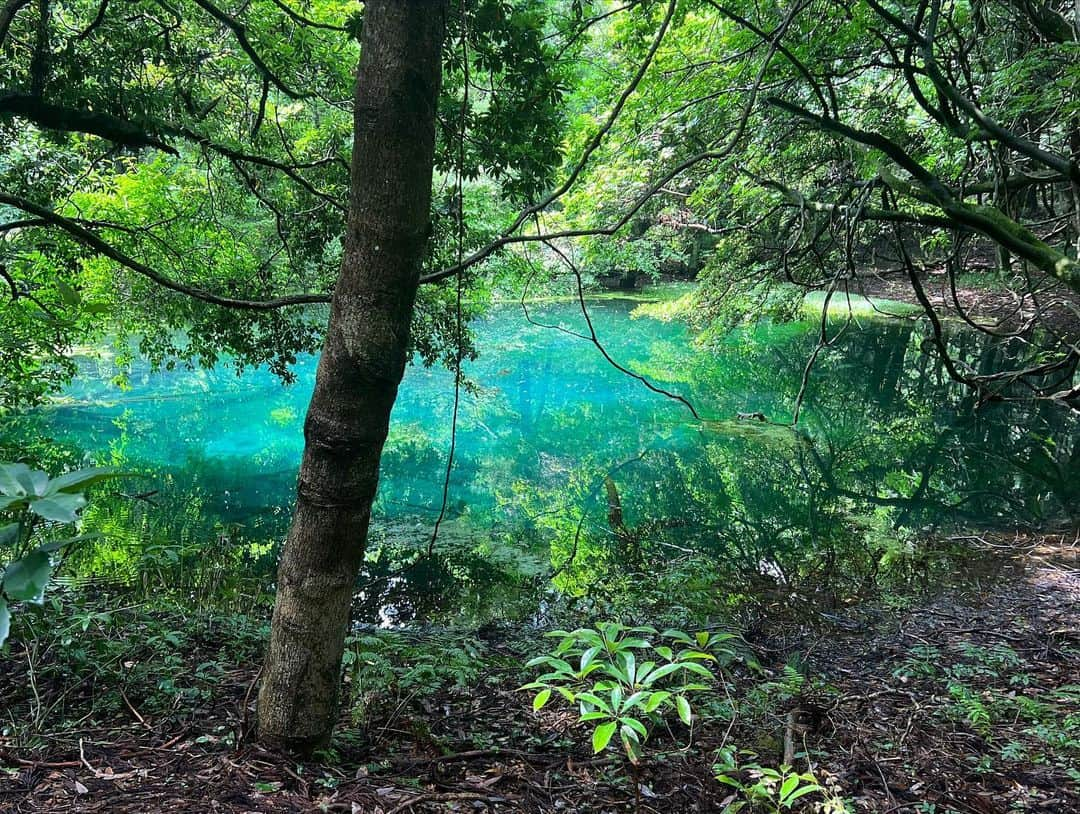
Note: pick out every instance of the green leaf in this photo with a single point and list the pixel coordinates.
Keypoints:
(587, 657)
(593, 716)
(636, 698)
(9, 484)
(810, 788)
(637, 726)
(68, 294)
(684, 709)
(656, 699)
(20, 480)
(602, 736)
(81, 479)
(788, 787)
(542, 698)
(594, 699)
(26, 578)
(9, 534)
(694, 667)
(697, 654)
(61, 507)
(9, 501)
(660, 672)
(5, 621)
(677, 635)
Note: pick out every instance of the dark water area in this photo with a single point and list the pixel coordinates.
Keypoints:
(566, 464)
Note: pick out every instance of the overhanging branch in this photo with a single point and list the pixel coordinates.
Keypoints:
(102, 247)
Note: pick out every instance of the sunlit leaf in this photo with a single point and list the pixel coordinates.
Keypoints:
(602, 736)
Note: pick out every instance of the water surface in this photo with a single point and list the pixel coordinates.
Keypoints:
(564, 462)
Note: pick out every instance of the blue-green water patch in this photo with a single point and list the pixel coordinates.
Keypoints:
(565, 463)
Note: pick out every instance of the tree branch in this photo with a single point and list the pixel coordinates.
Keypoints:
(72, 120)
(93, 241)
(986, 220)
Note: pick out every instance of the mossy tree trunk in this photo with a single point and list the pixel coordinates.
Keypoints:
(363, 360)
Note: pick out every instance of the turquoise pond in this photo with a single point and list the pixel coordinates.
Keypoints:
(550, 435)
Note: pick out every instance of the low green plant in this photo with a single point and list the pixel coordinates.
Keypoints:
(971, 707)
(34, 500)
(765, 789)
(623, 683)
(384, 666)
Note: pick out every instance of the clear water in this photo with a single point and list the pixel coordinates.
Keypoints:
(550, 434)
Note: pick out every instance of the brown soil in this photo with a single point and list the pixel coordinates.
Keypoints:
(876, 715)
(1048, 306)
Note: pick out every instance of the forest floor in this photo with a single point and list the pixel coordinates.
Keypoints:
(967, 701)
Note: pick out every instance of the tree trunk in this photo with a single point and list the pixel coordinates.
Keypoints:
(362, 363)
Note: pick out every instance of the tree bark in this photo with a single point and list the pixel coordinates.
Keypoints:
(363, 360)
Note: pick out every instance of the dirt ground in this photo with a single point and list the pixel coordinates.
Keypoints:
(888, 712)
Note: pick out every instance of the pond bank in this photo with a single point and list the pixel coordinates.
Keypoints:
(989, 303)
(966, 701)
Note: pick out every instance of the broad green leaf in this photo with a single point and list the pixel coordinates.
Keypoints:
(694, 667)
(565, 693)
(81, 479)
(32, 481)
(660, 672)
(542, 698)
(5, 621)
(697, 654)
(810, 788)
(684, 709)
(656, 699)
(8, 483)
(9, 533)
(26, 578)
(587, 657)
(61, 507)
(14, 479)
(602, 736)
(636, 698)
(637, 726)
(594, 699)
(788, 787)
(677, 635)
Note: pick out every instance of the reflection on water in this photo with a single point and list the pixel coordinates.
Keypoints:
(564, 462)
